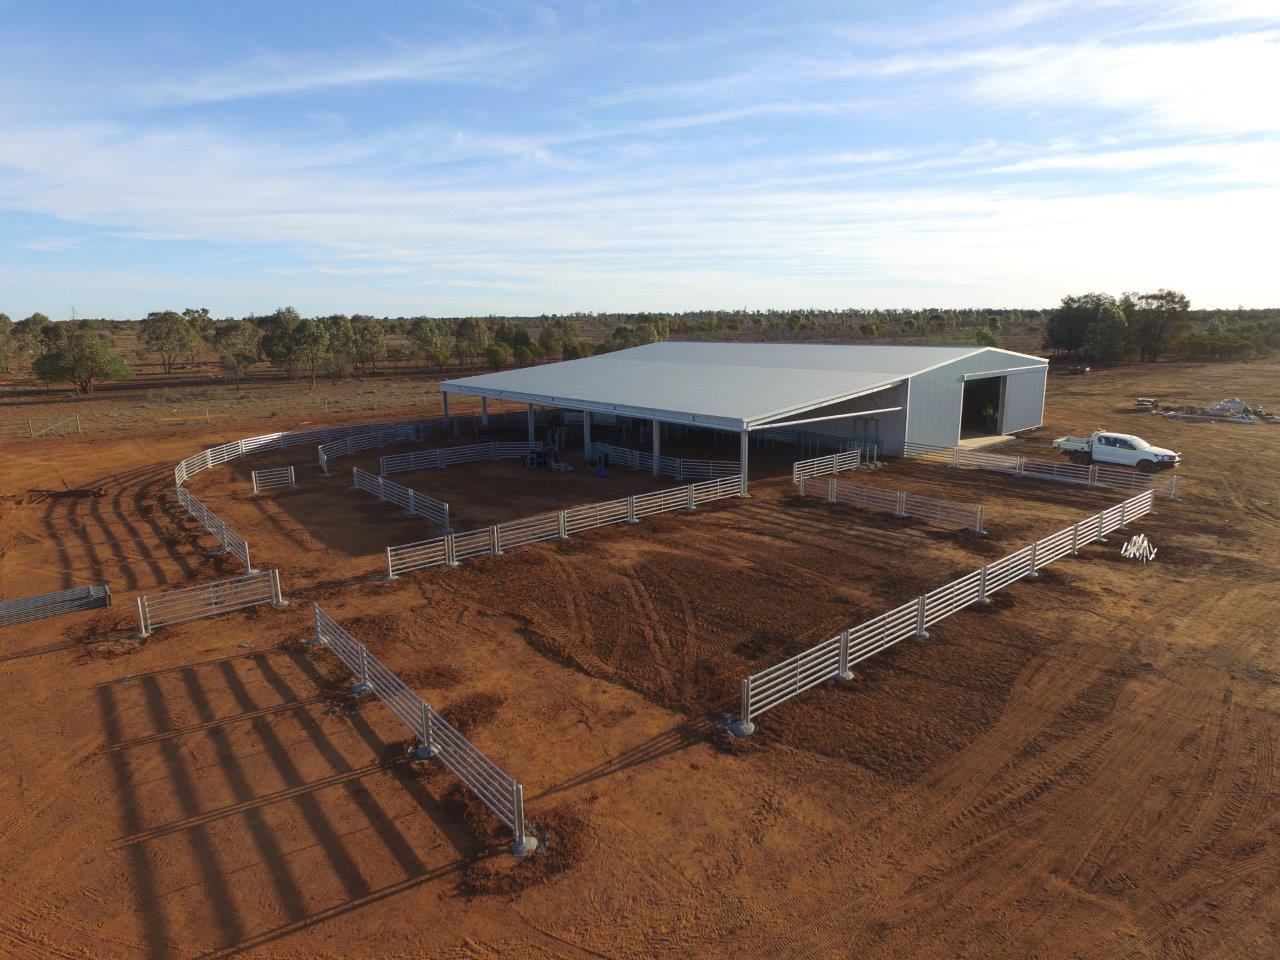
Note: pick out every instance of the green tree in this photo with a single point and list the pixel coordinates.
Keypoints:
(310, 345)
(28, 331)
(1068, 326)
(339, 355)
(497, 354)
(169, 336)
(369, 341)
(985, 338)
(1108, 335)
(278, 344)
(81, 358)
(523, 356)
(432, 340)
(1155, 319)
(473, 336)
(237, 346)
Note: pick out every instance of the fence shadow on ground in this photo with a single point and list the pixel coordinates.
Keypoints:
(232, 767)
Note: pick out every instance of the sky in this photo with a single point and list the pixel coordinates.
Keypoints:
(519, 158)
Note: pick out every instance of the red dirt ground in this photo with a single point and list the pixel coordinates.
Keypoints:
(1085, 770)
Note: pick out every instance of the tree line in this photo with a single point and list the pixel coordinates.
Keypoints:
(1144, 327)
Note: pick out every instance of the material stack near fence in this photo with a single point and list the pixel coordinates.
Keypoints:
(450, 550)
(942, 513)
(437, 738)
(1092, 477)
(834, 658)
(208, 600)
(53, 604)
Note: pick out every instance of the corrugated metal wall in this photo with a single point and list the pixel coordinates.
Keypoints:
(936, 397)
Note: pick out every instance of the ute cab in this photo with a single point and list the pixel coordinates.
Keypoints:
(1121, 449)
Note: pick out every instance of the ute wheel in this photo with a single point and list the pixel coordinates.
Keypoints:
(1147, 466)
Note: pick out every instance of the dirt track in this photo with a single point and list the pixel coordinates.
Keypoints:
(1085, 770)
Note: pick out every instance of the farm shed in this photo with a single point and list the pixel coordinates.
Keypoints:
(889, 395)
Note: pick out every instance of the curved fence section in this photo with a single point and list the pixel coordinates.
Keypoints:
(230, 541)
(833, 658)
(437, 738)
(54, 604)
(450, 550)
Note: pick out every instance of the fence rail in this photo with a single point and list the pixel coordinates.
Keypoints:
(674, 467)
(230, 541)
(436, 737)
(208, 600)
(942, 513)
(418, 504)
(820, 466)
(1091, 476)
(54, 604)
(272, 479)
(450, 550)
(833, 658)
(442, 457)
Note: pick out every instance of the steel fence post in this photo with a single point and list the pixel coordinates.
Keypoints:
(1124, 519)
(631, 510)
(1093, 476)
(449, 559)
(143, 626)
(562, 525)
(690, 502)
(248, 566)
(831, 489)
(901, 509)
(1032, 574)
(1173, 488)
(361, 686)
(743, 727)
(842, 671)
(254, 476)
(495, 541)
(524, 843)
(391, 573)
(977, 524)
(982, 584)
(292, 480)
(427, 747)
(1075, 539)
(277, 598)
(921, 632)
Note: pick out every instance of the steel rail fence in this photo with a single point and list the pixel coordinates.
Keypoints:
(1091, 476)
(418, 504)
(944, 513)
(449, 550)
(44, 605)
(208, 600)
(819, 466)
(230, 541)
(834, 657)
(441, 457)
(674, 467)
(274, 478)
(437, 738)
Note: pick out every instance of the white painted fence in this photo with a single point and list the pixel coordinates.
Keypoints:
(208, 600)
(446, 456)
(834, 658)
(274, 478)
(418, 504)
(230, 541)
(820, 466)
(54, 604)
(943, 513)
(450, 550)
(1091, 476)
(674, 467)
(437, 738)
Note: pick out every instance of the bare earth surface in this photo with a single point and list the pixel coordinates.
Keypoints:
(1086, 769)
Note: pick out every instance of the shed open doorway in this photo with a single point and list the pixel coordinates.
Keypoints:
(980, 414)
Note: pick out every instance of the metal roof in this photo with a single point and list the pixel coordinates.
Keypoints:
(728, 385)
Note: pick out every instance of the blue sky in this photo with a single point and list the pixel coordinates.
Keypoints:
(454, 158)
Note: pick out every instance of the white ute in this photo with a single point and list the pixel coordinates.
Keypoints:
(1120, 448)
